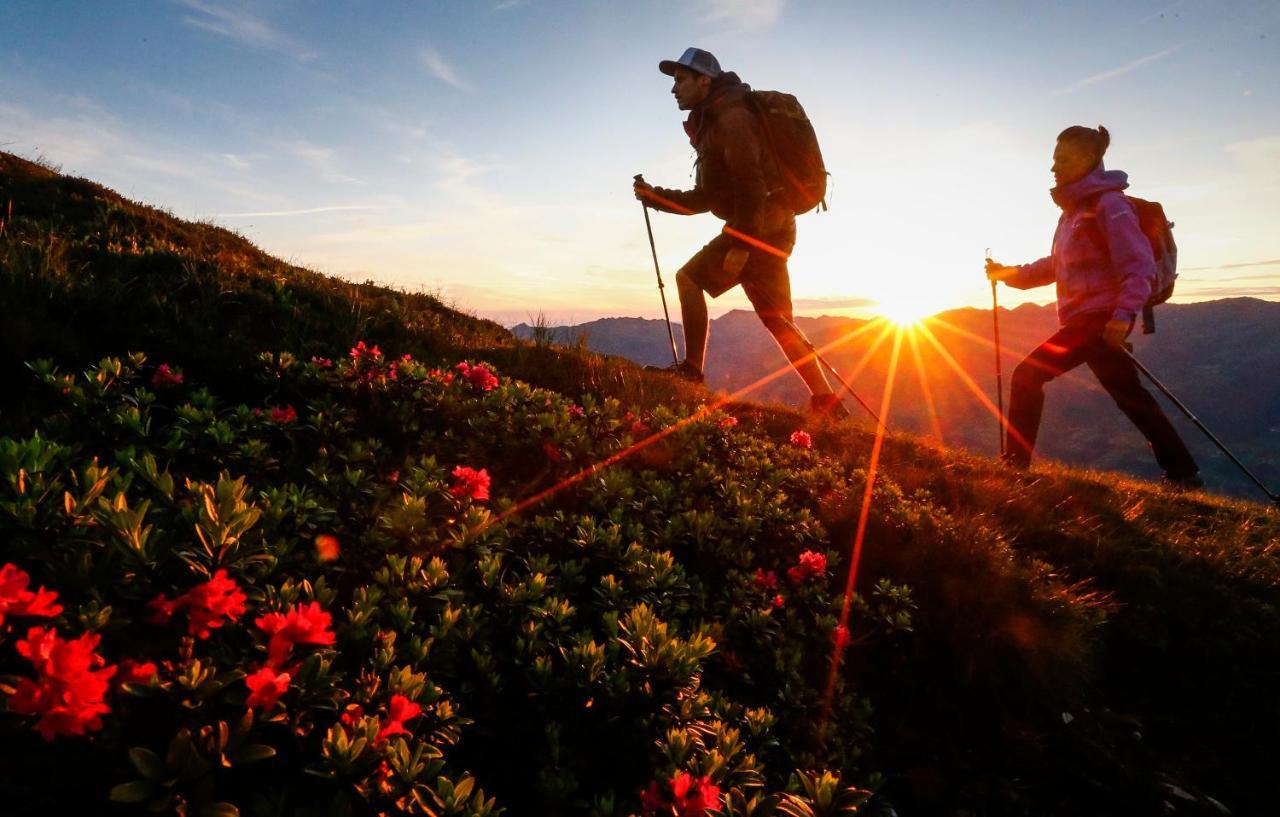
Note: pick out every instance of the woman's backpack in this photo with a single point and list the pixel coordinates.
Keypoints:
(794, 145)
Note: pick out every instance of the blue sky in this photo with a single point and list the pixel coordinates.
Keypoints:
(484, 149)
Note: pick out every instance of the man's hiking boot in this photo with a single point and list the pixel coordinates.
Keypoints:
(1187, 482)
(684, 370)
(828, 406)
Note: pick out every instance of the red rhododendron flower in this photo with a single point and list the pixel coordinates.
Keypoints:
(165, 377)
(478, 375)
(813, 562)
(779, 602)
(301, 625)
(362, 352)
(134, 672)
(322, 362)
(801, 439)
(208, 606)
(265, 687)
(400, 710)
(283, 414)
(72, 680)
(576, 410)
(327, 547)
(766, 579)
(690, 796)
(728, 422)
(468, 482)
(639, 429)
(17, 600)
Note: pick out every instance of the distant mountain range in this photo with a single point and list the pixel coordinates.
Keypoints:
(1221, 358)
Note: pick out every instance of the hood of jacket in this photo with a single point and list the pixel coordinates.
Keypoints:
(1099, 180)
(725, 89)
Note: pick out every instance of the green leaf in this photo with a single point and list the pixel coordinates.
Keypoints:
(147, 762)
(254, 752)
(134, 792)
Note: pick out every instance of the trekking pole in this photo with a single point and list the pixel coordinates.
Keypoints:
(1273, 497)
(661, 287)
(814, 351)
(995, 323)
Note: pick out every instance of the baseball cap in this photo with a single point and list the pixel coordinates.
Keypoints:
(695, 59)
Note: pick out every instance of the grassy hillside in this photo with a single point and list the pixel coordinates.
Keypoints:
(502, 575)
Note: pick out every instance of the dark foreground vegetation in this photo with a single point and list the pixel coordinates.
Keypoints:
(257, 559)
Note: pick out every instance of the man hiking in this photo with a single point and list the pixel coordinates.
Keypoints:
(1105, 271)
(735, 178)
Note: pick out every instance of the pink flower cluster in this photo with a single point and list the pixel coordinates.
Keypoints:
(811, 564)
(208, 606)
(801, 439)
(690, 796)
(283, 414)
(478, 375)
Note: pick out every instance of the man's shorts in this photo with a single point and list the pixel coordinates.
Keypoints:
(764, 277)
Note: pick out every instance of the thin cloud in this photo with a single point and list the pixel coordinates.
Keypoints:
(279, 213)
(241, 26)
(742, 13)
(1111, 74)
(320, 158)
(1271, 263)
(441, 69)
(510, 4)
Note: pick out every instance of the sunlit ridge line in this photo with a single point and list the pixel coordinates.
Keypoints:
(872, 468)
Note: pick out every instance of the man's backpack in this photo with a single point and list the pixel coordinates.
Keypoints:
(1159, 232)
(794, 145)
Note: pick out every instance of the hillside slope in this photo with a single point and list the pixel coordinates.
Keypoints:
(597, 616)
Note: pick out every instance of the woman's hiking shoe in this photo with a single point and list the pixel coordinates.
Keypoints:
(1188, 482)
(828, 406)
(684, 370)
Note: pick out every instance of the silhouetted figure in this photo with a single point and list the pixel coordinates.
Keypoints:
(735, 177)
(1105, 270)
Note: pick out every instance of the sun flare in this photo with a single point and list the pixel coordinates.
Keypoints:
(905, 310)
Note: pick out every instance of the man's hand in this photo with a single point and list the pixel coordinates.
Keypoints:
(999, 272)
(643, 190)
(1116, 330)
(734, 260)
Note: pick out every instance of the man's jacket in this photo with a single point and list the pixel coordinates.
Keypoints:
(735, 171)
(1101, 261)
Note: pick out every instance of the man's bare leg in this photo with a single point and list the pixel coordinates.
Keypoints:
(797, 351)
(693, 311)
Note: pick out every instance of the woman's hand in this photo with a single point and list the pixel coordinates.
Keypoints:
(1116, 330)
(999, 272)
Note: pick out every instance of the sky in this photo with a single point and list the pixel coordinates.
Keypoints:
(483, 150)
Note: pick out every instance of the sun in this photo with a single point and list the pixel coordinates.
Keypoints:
(905, 309)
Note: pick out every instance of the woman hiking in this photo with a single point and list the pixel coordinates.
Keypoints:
(1105, 270)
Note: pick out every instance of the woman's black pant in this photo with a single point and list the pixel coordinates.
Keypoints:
(1080, 341)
